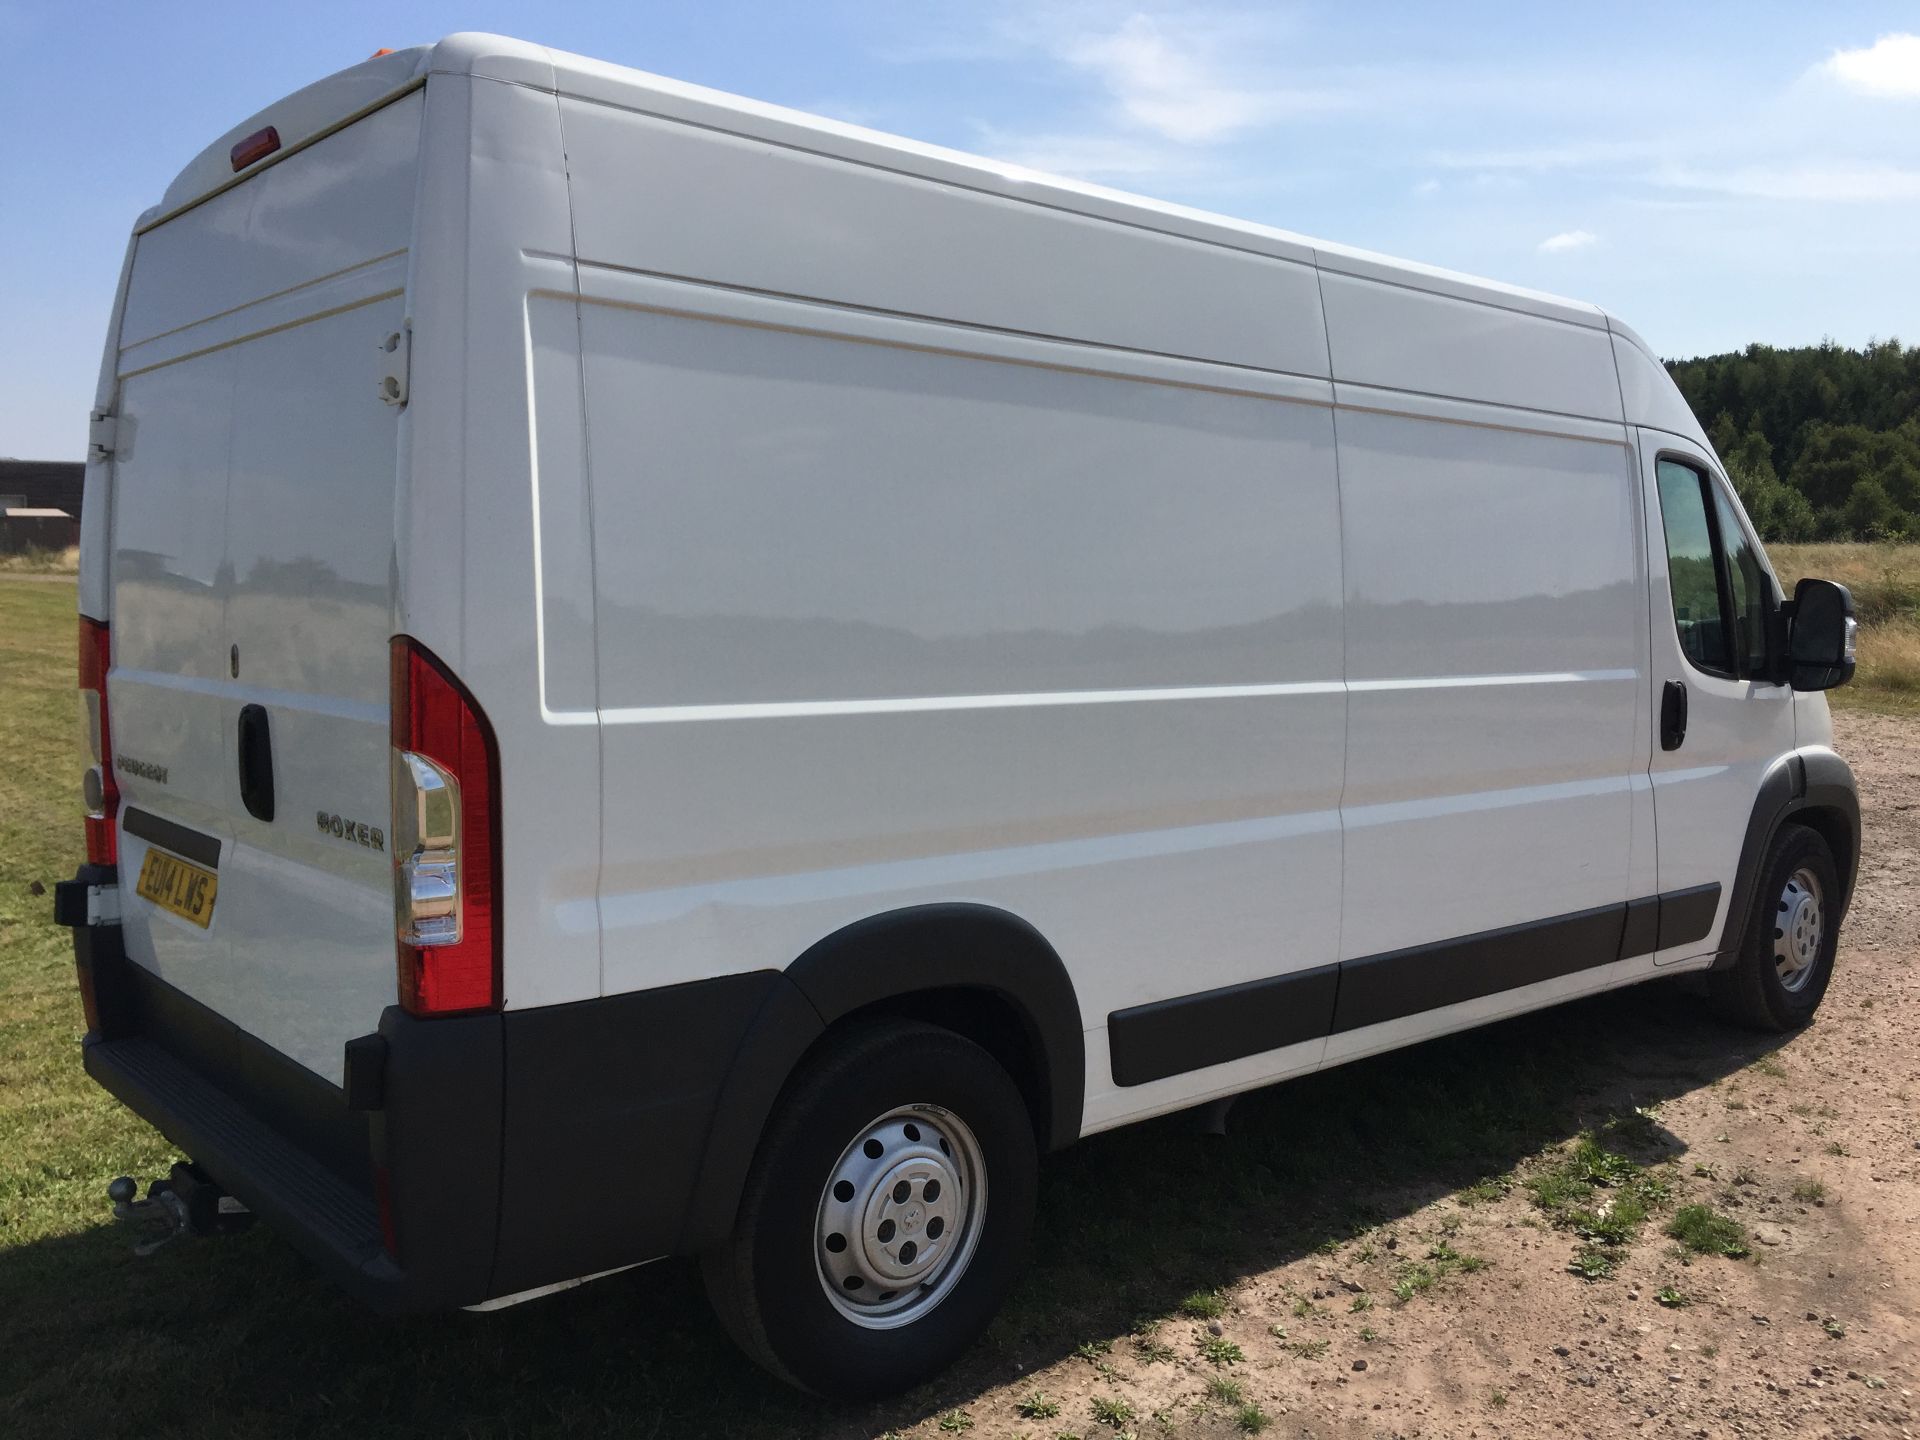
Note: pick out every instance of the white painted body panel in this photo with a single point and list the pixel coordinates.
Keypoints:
(1493, 613)
(830, 524)
(253, 509)
(1737, 730)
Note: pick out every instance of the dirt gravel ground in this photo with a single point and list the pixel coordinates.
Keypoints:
(1812, 1144)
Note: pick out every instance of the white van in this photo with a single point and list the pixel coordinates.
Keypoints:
(676, 678)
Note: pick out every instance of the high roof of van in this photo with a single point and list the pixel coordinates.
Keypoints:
(339, 99)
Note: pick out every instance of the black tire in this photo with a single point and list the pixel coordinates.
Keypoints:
(1751, 993)
(766, 1283)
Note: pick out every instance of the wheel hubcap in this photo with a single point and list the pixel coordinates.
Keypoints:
(900, 1216)
(1799, 925)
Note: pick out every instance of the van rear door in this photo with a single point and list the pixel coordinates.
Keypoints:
(253, 589)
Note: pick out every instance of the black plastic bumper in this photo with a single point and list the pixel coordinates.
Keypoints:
(511, 1150)
(283, 1140)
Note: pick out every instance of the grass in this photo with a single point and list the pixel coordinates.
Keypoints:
(1486, 1190)
(1038, 1407)
(62, 1138)
(1219, 1351)
(36, 560)
(1204, 1305)
(1601, 1195)
(1590, 1262)
(1416, 1277)
(1112, 1411)
(1252, 1419)
(1225, 1389)
(1810, 1192)
(1885, 580)
(1705, 1231)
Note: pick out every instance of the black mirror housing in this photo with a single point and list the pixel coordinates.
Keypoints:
(1821, 630)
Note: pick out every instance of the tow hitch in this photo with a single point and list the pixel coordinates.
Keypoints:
(185, 1203)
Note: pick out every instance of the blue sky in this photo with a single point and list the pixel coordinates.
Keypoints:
(1716, 174)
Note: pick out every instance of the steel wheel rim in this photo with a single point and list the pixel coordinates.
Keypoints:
(1799, 927)
(900, 1216)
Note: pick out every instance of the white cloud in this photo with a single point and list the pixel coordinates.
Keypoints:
(1178, 90)
(1832, 183)
(1429, 186)
(1573, 155)
(1568, 240)
(1887, 69)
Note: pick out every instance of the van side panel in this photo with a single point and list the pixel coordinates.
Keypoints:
(864, 235)
(902, 599)
(1401, 339)
(1494, 660)
(883, 624)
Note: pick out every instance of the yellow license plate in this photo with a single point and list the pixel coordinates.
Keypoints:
(173, 884)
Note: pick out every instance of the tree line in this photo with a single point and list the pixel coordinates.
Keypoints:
(1822, 442)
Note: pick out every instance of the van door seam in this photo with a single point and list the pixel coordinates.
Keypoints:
(1346, 691)
(593, 558)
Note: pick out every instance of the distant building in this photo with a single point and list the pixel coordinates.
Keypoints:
(40, 504)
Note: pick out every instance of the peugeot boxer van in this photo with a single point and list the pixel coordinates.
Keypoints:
(670, 677)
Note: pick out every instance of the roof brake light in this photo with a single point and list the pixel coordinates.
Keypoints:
(256, 146)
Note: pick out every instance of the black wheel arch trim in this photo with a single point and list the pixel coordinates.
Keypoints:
(1812, 787)
(891, 957)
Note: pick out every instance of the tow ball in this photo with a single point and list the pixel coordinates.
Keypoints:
(185, 1203)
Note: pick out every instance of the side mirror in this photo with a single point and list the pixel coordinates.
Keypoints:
(1820, 636)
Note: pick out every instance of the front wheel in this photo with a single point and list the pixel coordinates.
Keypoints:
(885, 1217)
(1786, 953)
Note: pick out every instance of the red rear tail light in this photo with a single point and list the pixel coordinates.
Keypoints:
(99, 789)
(445, 838)
(256, 146)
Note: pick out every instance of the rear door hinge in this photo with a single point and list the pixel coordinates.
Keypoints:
(395, 354)
(103, 428)
(76, 903)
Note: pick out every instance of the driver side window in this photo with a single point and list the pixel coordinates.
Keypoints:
(1723, 598)
(1693, 570)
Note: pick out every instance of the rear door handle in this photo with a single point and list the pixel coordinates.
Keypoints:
(256, 762)
(1673, 715)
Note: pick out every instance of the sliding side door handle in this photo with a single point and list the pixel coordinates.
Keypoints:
(256, 762)
(1673, 715)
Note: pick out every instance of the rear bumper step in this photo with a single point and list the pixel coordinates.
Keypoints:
(320, 1213)
(287, 1143)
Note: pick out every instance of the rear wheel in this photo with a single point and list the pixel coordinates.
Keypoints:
(1786, 953)
(886, 1215)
